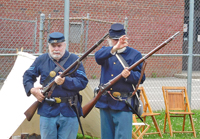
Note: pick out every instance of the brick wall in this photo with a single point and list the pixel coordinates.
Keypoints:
(150, 22)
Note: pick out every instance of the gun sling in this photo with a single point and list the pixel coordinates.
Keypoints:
(48, 88)
(73, 104)
(135, 92)
(88, 107)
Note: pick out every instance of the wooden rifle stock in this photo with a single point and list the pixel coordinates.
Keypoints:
(88, 107)
(32, 109)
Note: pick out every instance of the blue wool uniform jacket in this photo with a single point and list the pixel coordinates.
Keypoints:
(43, 65)
(110, 68)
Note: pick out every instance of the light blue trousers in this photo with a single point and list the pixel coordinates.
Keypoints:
(59, 127)
(116, 124)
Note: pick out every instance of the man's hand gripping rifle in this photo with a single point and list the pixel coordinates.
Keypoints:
(32, 109)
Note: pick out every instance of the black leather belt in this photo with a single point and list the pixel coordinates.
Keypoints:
(54, 100)
(62, 99)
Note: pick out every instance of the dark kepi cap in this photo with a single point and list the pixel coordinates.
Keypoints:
(56, 37)
(116, 31)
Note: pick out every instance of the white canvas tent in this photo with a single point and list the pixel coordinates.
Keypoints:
(14, 103)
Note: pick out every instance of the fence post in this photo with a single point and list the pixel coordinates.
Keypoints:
(42, 17)
(87, 28)
(48, 31)
(126, 25)
(35, 35)
(66, 23)
(190, 49)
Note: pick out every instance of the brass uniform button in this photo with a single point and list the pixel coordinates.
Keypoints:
(114, 63)
(111, 74)
(52, 73)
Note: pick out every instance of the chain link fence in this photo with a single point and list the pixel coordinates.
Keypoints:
(83, 34)
(15, 35)
(147, 23)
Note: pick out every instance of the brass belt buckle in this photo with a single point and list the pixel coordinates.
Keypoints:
(116, 94)
(58, 100)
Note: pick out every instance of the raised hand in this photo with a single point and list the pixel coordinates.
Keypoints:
(122, 42)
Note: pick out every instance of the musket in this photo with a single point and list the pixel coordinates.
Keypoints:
(32, 109)
(88, 107)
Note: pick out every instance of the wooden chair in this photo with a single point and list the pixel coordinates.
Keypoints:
(138, 134)
(177, 105)
(148, 112)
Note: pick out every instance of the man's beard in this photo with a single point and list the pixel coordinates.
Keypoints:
(56, 56)
(110, 42)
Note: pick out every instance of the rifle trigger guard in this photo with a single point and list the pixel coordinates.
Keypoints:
(102, 87)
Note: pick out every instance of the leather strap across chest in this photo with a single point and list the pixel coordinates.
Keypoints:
(57, 68)
(124, 64)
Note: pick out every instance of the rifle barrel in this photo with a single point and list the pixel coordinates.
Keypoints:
(76, 62)
(32, 109)
(88, 107)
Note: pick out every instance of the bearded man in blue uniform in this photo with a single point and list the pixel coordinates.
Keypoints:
(116, 116)
(57, 119)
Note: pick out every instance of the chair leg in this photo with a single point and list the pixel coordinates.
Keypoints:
(192, 124)
(165, 123)
(141, 136)
(156, 125)
(144, 120)
(183, 123)
(136, 126)
(134, 135)
(169, 123)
